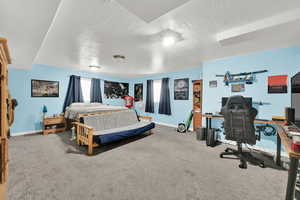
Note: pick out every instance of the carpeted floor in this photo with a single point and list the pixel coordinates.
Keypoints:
(162, 166)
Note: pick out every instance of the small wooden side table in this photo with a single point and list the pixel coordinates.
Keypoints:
(54, 124)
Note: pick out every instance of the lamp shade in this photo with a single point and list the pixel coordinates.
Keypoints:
(45, 109)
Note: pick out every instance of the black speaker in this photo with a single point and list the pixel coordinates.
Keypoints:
(290, 115)
(211, 137)
(201, 133)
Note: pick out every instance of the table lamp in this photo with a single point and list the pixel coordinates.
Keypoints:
(45, 110)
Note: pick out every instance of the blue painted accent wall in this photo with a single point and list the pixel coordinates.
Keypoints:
(180, 108)
(285, 61)
(28, 113)
(278, 62)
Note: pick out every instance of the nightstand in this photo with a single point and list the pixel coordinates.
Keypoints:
(54, 124)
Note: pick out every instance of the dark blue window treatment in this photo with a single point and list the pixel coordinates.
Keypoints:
(74, 93)
(96, 95)
(149, 97)
(164, 102)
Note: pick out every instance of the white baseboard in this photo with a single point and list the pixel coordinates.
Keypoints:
(26, 133)
(165, 124)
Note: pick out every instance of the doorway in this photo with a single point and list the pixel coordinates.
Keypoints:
(197, 104)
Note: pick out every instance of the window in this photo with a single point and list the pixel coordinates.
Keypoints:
(157, 89)
(86, 89)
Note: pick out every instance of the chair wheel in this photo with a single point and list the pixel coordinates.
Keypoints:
(242, 166)
(221, 156)
(262, 165)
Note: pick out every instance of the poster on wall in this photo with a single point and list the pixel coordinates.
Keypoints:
(277, 84)
(42, 88)
(295, 80)
(213, 84)
(115, 90)
(238, 87)
(138, 92)
(181, 89)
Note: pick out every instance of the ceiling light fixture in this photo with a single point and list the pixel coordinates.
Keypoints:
(170, 37)
(119, 57)
(94, 67)
(168, 41)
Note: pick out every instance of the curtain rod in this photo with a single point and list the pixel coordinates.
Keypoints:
(99, 79)
(85, 77)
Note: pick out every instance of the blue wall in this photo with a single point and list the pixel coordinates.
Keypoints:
(28, 114)
(180, 108)
(279, 62)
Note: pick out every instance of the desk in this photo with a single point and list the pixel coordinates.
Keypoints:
(208, 118)
(282, 136)
(282, 131)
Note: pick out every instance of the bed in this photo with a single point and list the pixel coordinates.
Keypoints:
(108, 127)
(77, 110)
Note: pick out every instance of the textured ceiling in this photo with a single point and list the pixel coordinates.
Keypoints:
(78, 33)
(25, 25)
(150, 10)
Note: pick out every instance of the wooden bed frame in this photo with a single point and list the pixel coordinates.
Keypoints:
(70, 122)
(101, 112)
(85, 133)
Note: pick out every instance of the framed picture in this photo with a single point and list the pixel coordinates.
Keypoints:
(213, 84)
(277, 84)
(138, 92)
(181, 89)
(238, 87)
(115, 90)
(42, 88)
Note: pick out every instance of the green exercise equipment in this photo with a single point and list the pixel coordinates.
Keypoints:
(184, 127)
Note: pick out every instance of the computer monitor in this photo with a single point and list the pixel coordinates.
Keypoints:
(248, 101)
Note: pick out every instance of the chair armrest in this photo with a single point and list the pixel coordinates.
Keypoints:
(145, 117)
(82, 125)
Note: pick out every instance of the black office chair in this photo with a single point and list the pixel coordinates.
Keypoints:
(239, 126)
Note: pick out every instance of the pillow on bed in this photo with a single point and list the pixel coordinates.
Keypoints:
(96, 104)
(86, 104)
(78, 104)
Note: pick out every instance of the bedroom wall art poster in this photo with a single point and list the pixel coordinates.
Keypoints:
(115, 90)
(213, 84)
(277, 84)
(181, 89)
(138, 92)
(43, 88)
(238, 87)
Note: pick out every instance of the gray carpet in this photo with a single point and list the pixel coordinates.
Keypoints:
(162, 166)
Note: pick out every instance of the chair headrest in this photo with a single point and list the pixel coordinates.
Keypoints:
(237, 102)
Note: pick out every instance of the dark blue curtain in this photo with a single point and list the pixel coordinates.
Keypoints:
(96, 95)
(74, 93)
(164, 102)
(149, 97)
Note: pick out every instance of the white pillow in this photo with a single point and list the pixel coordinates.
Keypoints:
(86, 104)
(78, 104)
(96, 104)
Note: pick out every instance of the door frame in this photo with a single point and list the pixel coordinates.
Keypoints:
(199, 121)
